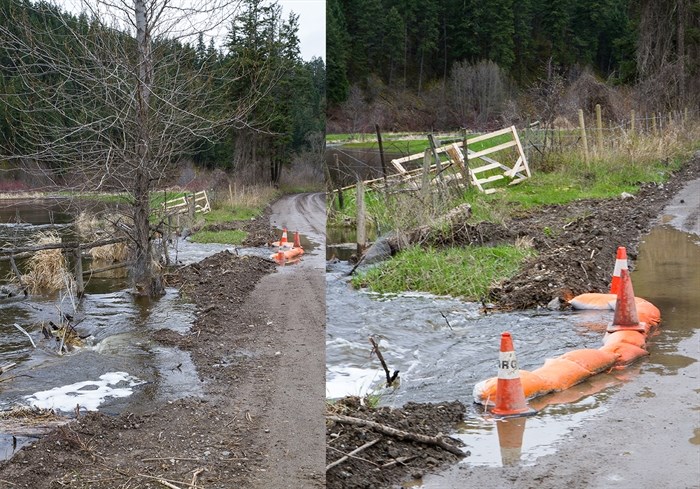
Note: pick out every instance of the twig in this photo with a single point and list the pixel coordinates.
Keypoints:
(354, 452)
(168, 484)
(353, 456)
(446, 320)
(400, 460)
(158, 459)
(23, 331)
(399, 434)
(164, 481)
(195, 475)
(7, 482)
(389, 378)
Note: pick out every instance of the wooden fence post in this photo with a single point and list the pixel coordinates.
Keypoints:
(381, 154)
(582, 126)
(599, 127)
(425, 177)
(79, 285)
(360, 221)
(632, 122)
(653, 123)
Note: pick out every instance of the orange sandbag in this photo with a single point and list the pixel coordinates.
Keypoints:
(647, 312)
(595, 361)
(632, 337)
(627, 352)
(533, 386)
(561, 373)
(593, 300)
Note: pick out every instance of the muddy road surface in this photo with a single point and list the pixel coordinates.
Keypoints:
(258, 346)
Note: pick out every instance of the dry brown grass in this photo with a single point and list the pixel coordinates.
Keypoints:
(47, 269)
(112, 253)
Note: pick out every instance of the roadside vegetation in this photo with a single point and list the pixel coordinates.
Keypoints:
(559, 177)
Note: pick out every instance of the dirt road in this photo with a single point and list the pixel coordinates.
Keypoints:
(258, 345)
(294, 299)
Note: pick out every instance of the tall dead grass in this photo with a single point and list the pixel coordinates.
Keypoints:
(47, 269)
(111, 253)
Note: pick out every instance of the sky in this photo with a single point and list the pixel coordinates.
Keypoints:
(312, 25)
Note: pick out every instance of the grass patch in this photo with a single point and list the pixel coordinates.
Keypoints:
(228, 213)
(234, 237)
(459, 272)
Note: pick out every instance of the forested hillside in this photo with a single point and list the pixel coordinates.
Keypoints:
(246, 103)
(492, 53)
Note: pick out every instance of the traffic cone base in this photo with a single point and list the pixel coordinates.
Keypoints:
(626, 317)
(510, 397)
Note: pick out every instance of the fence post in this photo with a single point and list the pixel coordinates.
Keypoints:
(685, 116)
(632, 122)
(425, 177)
(79, 285)
(582, 126)
(360, 220)
(381, 154)
(653, 124)
(599, 127)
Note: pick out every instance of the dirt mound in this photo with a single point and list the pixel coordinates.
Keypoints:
(391, 460)
(576, 243)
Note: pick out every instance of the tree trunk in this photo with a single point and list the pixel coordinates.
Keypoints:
(145, 276)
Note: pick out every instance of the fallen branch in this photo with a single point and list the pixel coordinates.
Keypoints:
(25, 332)
(389, 378)
(6, 367)
(399, 434)
(351, 454)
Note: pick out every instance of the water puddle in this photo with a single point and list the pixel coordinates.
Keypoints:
(119, 366)
(443, 346)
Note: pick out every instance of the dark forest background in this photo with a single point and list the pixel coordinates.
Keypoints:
(442, 64)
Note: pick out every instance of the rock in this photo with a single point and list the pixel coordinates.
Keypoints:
(554, 304)
(626, 196)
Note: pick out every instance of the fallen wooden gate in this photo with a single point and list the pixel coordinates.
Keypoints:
(479, 176)
(199, 201)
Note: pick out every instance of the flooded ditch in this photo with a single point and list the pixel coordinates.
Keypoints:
(443, 346)
(119, 367)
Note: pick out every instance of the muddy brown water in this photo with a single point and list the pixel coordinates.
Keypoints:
(442, 362)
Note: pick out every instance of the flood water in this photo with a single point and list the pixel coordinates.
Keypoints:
(119, 367)
(442, 362)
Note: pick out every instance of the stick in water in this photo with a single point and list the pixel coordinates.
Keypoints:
(23, 331)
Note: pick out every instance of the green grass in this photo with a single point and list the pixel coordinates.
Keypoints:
(234, 237)
(228, 213)
(459, 272)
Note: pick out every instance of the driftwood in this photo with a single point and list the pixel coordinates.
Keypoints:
(399, 434)
(351, 454)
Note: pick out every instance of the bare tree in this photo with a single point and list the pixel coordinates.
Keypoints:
(118, 99)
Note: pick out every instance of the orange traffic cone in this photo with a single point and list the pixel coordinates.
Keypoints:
(283, 241)
(297, 242)
(620, 264)
(510, 439)
(510, 397)
(626, 317)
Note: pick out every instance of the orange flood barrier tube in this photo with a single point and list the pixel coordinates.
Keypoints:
(624, 343)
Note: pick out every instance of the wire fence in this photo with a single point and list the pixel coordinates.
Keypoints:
(591, 137)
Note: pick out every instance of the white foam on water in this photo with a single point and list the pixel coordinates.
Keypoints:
(350, 381)
(89, 394)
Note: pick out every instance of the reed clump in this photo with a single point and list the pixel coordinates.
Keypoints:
(47, 270)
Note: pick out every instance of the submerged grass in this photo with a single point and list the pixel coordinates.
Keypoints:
(459, 272)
